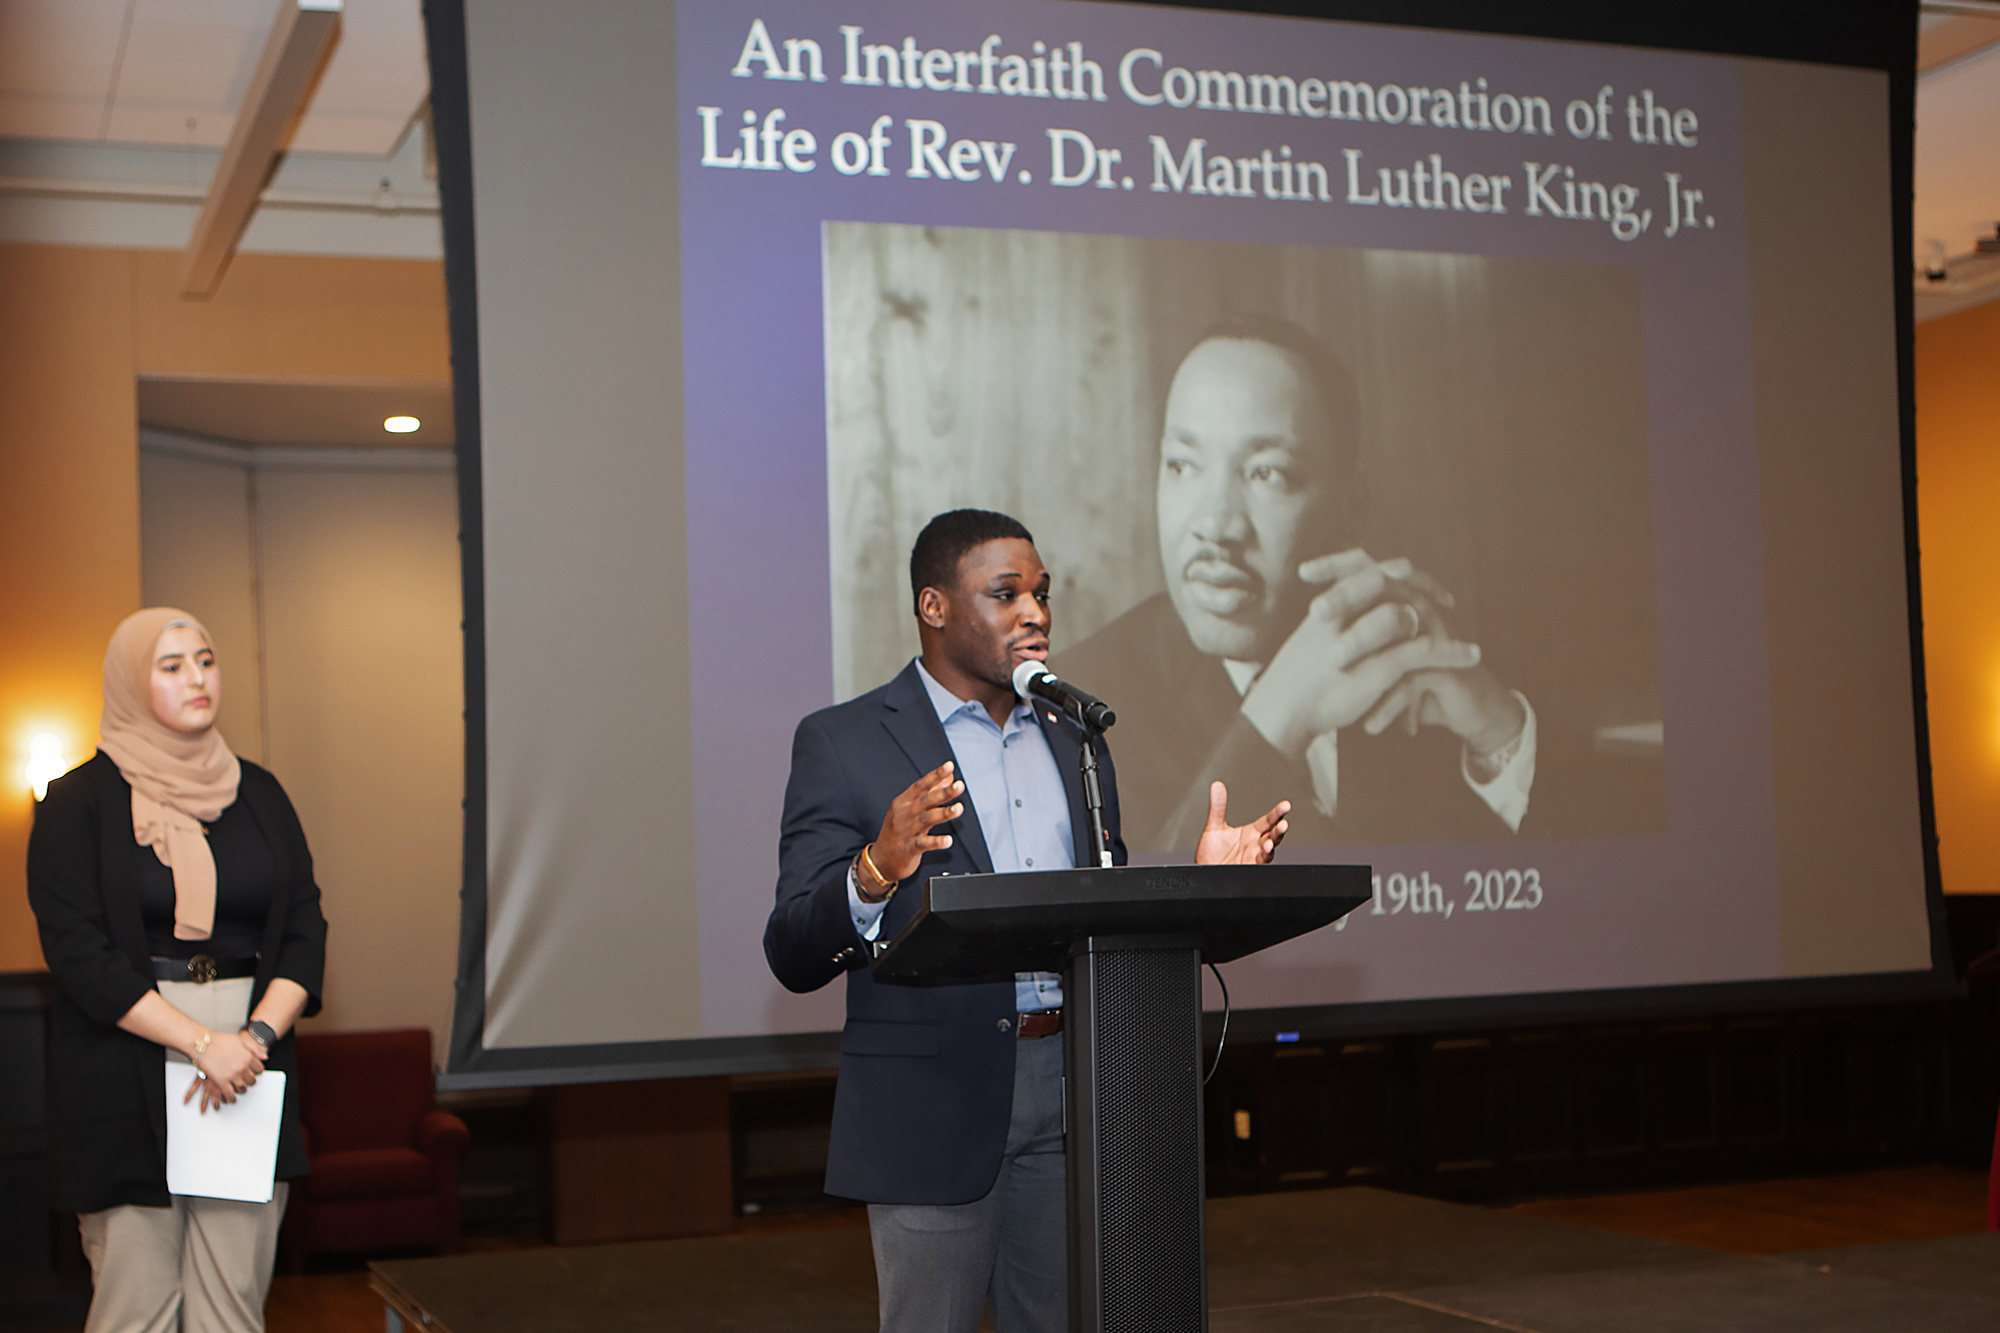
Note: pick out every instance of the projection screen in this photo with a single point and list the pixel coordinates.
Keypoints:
(1612, 342)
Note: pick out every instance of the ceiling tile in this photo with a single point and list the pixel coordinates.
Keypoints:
(56, 61)
(187, 60)
(59, 46)
(191, 61)
(50, 115)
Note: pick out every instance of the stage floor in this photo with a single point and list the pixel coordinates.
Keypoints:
(1347, 1260)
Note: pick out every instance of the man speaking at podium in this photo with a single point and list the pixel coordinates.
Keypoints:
(948, 1116)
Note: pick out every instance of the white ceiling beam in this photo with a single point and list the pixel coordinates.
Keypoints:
(285, 76)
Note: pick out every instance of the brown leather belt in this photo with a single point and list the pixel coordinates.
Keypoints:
(1041, 1023)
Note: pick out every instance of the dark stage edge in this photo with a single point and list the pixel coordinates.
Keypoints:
(1348, 1260)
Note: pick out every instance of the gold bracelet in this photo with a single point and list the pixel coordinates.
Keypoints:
(874, 871)
(201, 1049)
(886, 889)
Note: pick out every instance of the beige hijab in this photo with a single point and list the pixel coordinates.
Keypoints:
(177, 780)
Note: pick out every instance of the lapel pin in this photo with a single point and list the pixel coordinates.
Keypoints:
(1052, 717)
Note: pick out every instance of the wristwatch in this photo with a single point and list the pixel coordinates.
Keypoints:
(262, 1031)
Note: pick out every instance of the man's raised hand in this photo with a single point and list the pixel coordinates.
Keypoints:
(1249, 844)
(906, 830)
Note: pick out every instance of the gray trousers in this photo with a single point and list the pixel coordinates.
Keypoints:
(937, 1266)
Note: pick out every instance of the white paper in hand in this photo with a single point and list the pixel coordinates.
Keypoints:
(232, 1151)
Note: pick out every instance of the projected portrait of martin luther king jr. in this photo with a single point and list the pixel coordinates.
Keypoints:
(1282, 659)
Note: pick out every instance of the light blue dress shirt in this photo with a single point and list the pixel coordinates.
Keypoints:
(1016, 789)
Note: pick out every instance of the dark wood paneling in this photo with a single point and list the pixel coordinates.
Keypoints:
(25, 1221)
(1457, 1085)
(638, 1161)
(1301, 1142)
(1889, 1083)
(780, 1127)
(1823, 1080)
(1687, 1098)
(1754, 1088)
(1371, 1114)
(1541, 1109)
(1609, 1106)
(1612, 1072)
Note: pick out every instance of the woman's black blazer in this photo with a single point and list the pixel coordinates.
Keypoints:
(107, 1095)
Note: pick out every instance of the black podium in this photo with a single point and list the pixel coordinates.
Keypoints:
(1130, 943)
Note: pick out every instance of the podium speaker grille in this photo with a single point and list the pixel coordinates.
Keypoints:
(1146, 1010)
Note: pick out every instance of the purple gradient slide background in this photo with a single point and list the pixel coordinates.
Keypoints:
(1698, 905)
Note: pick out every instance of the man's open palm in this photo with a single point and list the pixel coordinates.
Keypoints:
(1250, 844)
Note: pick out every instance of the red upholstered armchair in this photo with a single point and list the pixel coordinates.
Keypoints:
(384, 1161)
(1993, 1184)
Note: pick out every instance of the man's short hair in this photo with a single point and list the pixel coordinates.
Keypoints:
(946, 540)
(1328, 377)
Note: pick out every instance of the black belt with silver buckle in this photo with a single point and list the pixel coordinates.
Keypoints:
(201, 969)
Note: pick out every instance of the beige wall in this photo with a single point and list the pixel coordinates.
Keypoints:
(364, 670)
(197, 552)
(1958, 517)
(330, 580)
(69, 522)
(77, 327)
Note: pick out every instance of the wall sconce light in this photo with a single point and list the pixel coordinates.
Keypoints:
(401, 425)
(45, 762)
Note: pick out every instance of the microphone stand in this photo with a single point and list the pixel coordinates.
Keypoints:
(1092, 718)
(1093, 792)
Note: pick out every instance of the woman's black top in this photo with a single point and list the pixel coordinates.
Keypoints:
(246, 879)
(86, 883)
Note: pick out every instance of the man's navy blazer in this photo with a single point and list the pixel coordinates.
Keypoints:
(926, 1072)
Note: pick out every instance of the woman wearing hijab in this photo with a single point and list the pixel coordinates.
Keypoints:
(179, 916)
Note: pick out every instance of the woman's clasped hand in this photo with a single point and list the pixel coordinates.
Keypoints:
(229, 1065)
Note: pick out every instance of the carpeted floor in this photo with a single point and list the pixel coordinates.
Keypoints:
(1904, 1249)
(1774, 1216)
(1908, 1252)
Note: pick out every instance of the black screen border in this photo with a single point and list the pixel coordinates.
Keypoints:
(1875, 36)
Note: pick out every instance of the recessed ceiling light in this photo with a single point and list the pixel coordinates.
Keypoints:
(401, 425)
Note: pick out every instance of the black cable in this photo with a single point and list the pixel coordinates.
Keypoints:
(1224, 1039)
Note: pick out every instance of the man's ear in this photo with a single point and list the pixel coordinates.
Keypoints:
(931, 608)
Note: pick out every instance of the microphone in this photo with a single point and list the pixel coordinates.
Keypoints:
(1034, 678)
